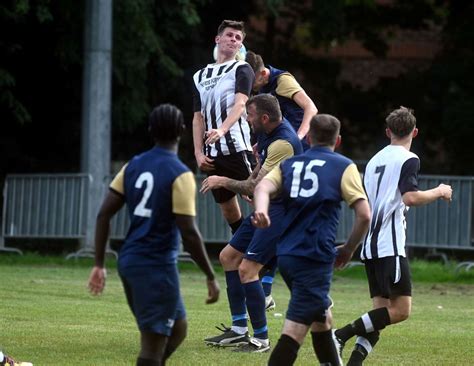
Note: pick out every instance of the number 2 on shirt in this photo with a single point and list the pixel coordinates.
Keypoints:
(146, 178)
(308, 175)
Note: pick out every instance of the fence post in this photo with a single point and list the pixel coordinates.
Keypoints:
(96, 108)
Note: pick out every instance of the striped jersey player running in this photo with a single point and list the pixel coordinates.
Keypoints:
(391, 183)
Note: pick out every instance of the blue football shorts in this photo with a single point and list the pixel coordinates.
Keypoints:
(309, 283)
(153, 296)
(259, 245)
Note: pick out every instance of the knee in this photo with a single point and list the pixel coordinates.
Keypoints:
(248, 272)
(229, 259)
(399, 315)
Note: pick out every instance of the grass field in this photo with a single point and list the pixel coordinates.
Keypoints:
(47, 317)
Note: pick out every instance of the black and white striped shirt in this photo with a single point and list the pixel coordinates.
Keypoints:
(215, 87)
(392, 172)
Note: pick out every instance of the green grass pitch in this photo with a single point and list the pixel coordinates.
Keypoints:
(47, 317)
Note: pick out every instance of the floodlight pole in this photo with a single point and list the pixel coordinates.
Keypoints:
(96, 109)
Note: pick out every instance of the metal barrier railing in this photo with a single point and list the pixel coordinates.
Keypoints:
(53, 206)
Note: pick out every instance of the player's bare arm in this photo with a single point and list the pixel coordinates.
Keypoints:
(204, 163)
(244, 187)
(262, 193)
(310, 110)
(235, 113)
(418, 198)
(361, 225)
(193, 244)
(113, 202)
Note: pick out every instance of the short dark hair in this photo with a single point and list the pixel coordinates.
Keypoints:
(401, 121)
(255, 61)
(166, 123)
(234, 24)
(266, 104)
(324, 129)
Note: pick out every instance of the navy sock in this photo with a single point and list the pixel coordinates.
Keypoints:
(285, 352)
(267, 283)
(147, 362)
(324, 348)
(236, 296)
(256, 308)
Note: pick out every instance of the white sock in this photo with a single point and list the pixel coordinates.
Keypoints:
(1, 356)
(239, 330)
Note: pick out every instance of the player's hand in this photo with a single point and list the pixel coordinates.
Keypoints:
(205, 163)
(212, 182)
(97, 278)
(260, 220)
(214, 135)
(344, 255)
(446, 192)
(213, 291)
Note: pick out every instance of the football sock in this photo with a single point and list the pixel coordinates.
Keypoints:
(285, 352)
(147, 362)
(325, 348)
(376, 319)
(236, 296)
(256, 308)
(363, 347)
(267, 282)
(268, 275)
(235, 225)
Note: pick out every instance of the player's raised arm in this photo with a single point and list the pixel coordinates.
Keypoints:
(310, 110)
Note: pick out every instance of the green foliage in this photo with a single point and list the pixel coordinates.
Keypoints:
(145, 70)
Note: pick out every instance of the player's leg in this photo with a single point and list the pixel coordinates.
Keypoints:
(324, 345)
(261, 250)
(390, 289)
(152, 348)
(287, 347)
(255, 300)
(178, 333)
(309, 283)
(267, 275)
(231, 211)
(230, 258)
(364, 344)
(153, 295)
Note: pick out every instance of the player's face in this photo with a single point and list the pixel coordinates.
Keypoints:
(259, 80)
(254, 119)
(230, 41)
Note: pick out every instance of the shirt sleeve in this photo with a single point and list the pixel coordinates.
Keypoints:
(278, 151)
(117, 184)
(351, 185)
(244, 79)
(275, 176)
(287, 86)
(196, 99)
(409, 176)
(184, 195)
